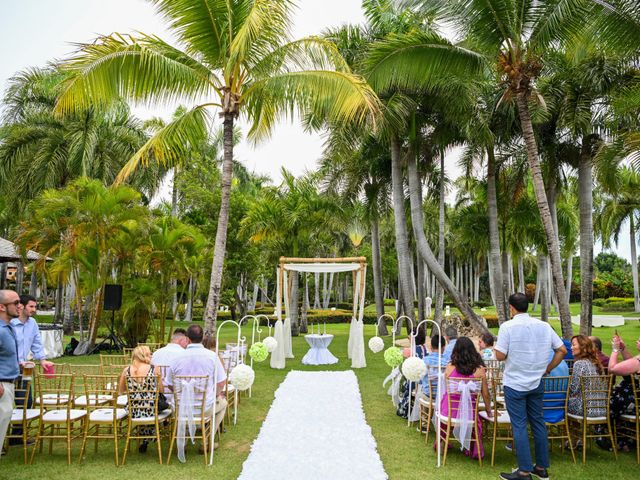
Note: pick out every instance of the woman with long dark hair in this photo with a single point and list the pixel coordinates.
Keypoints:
(466, 363)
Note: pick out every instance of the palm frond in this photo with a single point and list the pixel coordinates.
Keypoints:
(172, 142)
(142, 69)
(417, 60)
(320, 96)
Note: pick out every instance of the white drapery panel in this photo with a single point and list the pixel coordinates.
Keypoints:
(277, 356)
(322, 267)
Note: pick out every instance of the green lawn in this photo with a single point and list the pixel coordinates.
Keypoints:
(403, 450)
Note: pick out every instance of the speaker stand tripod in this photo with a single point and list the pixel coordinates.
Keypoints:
(112, 339)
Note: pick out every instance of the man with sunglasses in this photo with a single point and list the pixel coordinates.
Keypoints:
(10, 308)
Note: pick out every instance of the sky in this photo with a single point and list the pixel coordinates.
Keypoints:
(34, 32)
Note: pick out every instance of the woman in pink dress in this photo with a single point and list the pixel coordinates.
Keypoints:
(466, 363)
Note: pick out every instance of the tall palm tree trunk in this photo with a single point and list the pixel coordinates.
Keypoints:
(437, 313)
(425, 250)
(405, 294)
(545, 214)
(585, 200)
(634, 263)
(521, 284)
(420, 287)
(33, 284)
(377, 274)
(213, 299)
(569, 276)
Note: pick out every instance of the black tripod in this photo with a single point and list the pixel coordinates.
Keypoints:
(112, 339)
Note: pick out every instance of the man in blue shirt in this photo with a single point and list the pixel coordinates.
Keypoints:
(9, 369)
(451, 335)
(29, 342)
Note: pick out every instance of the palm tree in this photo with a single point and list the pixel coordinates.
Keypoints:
(621, 205)
(237, 57)
(514, 37)
(39, 150)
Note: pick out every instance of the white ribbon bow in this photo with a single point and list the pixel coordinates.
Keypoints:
(437, 374)
(394, 389)
(464, 425)
(185, 416)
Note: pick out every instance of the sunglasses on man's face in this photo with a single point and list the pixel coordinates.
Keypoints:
(16, 303)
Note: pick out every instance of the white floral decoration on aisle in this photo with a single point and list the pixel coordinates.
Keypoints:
(376, 344)
(242, 377)
(271, 344)
(413, 368)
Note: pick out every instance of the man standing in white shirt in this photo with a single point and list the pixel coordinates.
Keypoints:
(525, 344)
(197, 360)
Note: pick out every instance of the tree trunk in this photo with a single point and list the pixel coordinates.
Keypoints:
(569, 276)
(33, 284)
(585, 200)
(545, 215)
(521, 284)
(536, 296)
(188, 313)
(439, 306)
(19, 277)
(420, 287)
(377, 275)
(402, 237)
(544, 289)
(3, 275)
(425, 249)
(213, 299)
(293, 304)
(67, 316)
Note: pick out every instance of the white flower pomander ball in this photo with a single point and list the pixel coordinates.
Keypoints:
(242, 377)
(271, 344)
(376, 344)
(413, 368)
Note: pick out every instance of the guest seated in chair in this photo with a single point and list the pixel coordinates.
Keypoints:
(622, 395)
(421, 349)
(466, 363)
(198, 360)
(142, 378)
(485, 345)
(586, 363)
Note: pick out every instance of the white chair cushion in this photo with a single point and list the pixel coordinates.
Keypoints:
(580, 418)
(500, 399)
(425, 401)
(629, 418)
(148, 420)
(122, 401)
(19, 414)
(503, 417)
(105, 415)
(53, 398)
(454, 421)
(54, 416)
(93, 400)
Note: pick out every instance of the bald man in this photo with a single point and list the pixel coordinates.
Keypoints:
(9, 365)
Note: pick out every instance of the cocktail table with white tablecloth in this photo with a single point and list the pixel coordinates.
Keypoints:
(51, 340)
(319, 353)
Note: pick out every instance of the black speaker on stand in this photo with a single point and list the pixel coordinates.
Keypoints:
(112, 301)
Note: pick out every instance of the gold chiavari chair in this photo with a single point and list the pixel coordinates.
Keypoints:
(428, 401)
(197, 408)
(629, 426)
(121, 359)
(144, 418)
(554, 405)
(449, 421)
(596, 392)
(56, 399)
(104, 418)
(23, 417)
(79, 371)
(127, 351)
(500, 422)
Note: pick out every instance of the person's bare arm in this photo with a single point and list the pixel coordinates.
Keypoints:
(626, 367)
(485, 392)
(558, 355)
(500, 356)
(158, 373)
(121, 383)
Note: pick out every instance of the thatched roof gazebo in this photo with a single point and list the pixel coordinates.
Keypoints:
(9, 252)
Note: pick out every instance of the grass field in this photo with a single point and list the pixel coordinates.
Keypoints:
(402, 449)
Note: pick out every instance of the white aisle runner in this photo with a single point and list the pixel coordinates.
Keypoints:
(315, 429)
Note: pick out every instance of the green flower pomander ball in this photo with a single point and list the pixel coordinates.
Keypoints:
(393, 357)
(258, 352)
